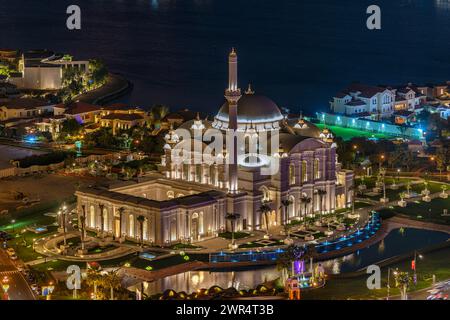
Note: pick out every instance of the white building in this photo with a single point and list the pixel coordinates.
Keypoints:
(44, 70)
(189, 200)
(377, 102)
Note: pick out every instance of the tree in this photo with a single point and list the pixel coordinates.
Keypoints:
(265, 209)
(285, 203)
(232, 217)
(441, 161)
(94, 279)
(321, 193)
(158, 112)
(71, 126)
(305, 200)
(111, 280)
(98, 72)
(402, 281)
(141, 220)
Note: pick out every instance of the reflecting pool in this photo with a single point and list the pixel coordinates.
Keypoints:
(399, 241)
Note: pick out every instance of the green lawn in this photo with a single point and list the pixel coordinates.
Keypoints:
(433, 187)
(23, 243)
(355, 288)
(424, 211)
(254, 244)
(237, 235)
(349, 133)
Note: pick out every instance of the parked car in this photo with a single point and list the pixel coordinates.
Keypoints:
(13, 257)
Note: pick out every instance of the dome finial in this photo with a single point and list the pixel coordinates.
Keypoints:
(233, 52)
(249, 90)
(197, 117)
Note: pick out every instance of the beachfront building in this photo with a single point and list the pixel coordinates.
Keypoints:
(44, 70)
(122, 117)
(378, 102)
(189, 200)
(24, 108)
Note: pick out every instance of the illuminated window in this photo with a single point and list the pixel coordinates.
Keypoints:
(316, 169)
(291, 174)
(304, 171)
(131, 225)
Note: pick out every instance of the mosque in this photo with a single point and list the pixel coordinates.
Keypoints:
(189, 201)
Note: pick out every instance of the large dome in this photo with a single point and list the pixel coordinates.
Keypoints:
(254, 109)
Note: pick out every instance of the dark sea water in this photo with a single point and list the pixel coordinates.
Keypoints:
(298, 52)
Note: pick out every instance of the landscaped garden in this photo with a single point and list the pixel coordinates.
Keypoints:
(237, 235)
(434, 263)
(424, 211)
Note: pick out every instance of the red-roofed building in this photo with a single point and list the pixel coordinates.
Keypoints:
(80, 111)
(361, 99)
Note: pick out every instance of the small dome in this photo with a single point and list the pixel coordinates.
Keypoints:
(253, 109)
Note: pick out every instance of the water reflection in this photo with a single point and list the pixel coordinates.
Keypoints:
(194, 280)
(394, 244)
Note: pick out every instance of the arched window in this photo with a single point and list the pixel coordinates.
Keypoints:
(291, 174)
(316, 169)
(145, 229)
(186, 171)
(105, 219)
(201, 229)
(266, 194)
(304, 171)
(212, 175)
(92, 217)
(291, 208)
(131, 225)
(198, 173)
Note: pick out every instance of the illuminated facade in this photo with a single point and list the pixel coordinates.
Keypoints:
(189, 200)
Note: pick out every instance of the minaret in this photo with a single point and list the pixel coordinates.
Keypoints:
(233, 94)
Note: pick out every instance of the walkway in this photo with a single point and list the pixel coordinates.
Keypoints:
(115, 86)
(48, 247)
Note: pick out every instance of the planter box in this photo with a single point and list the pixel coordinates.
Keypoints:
(384, 200)
(402, 203)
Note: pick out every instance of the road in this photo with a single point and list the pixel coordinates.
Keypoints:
(441, 287)
(18, 286)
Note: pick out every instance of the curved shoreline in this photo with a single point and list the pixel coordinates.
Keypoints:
(115, 87)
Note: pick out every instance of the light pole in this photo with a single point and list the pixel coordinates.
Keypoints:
(5, 286)
(62, 215)
(12, 223)
(415, 265)
(388, 282)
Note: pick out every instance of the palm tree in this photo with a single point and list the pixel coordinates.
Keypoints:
(121, 211)
(111, 280)
(265, 210)
(402, 281)
(82, 226)
(305, 200)
(233, 217)
(321, 193)
(353, 189)
(285, 208)
(102, 219)
(141, 220)
(93, 279)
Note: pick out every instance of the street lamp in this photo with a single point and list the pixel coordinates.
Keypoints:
(13, 222)
(5, 287)
(416, 254)
(388, 281)
(62, 215)
(398, 175)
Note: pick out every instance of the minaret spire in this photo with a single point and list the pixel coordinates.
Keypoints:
(233, 94)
